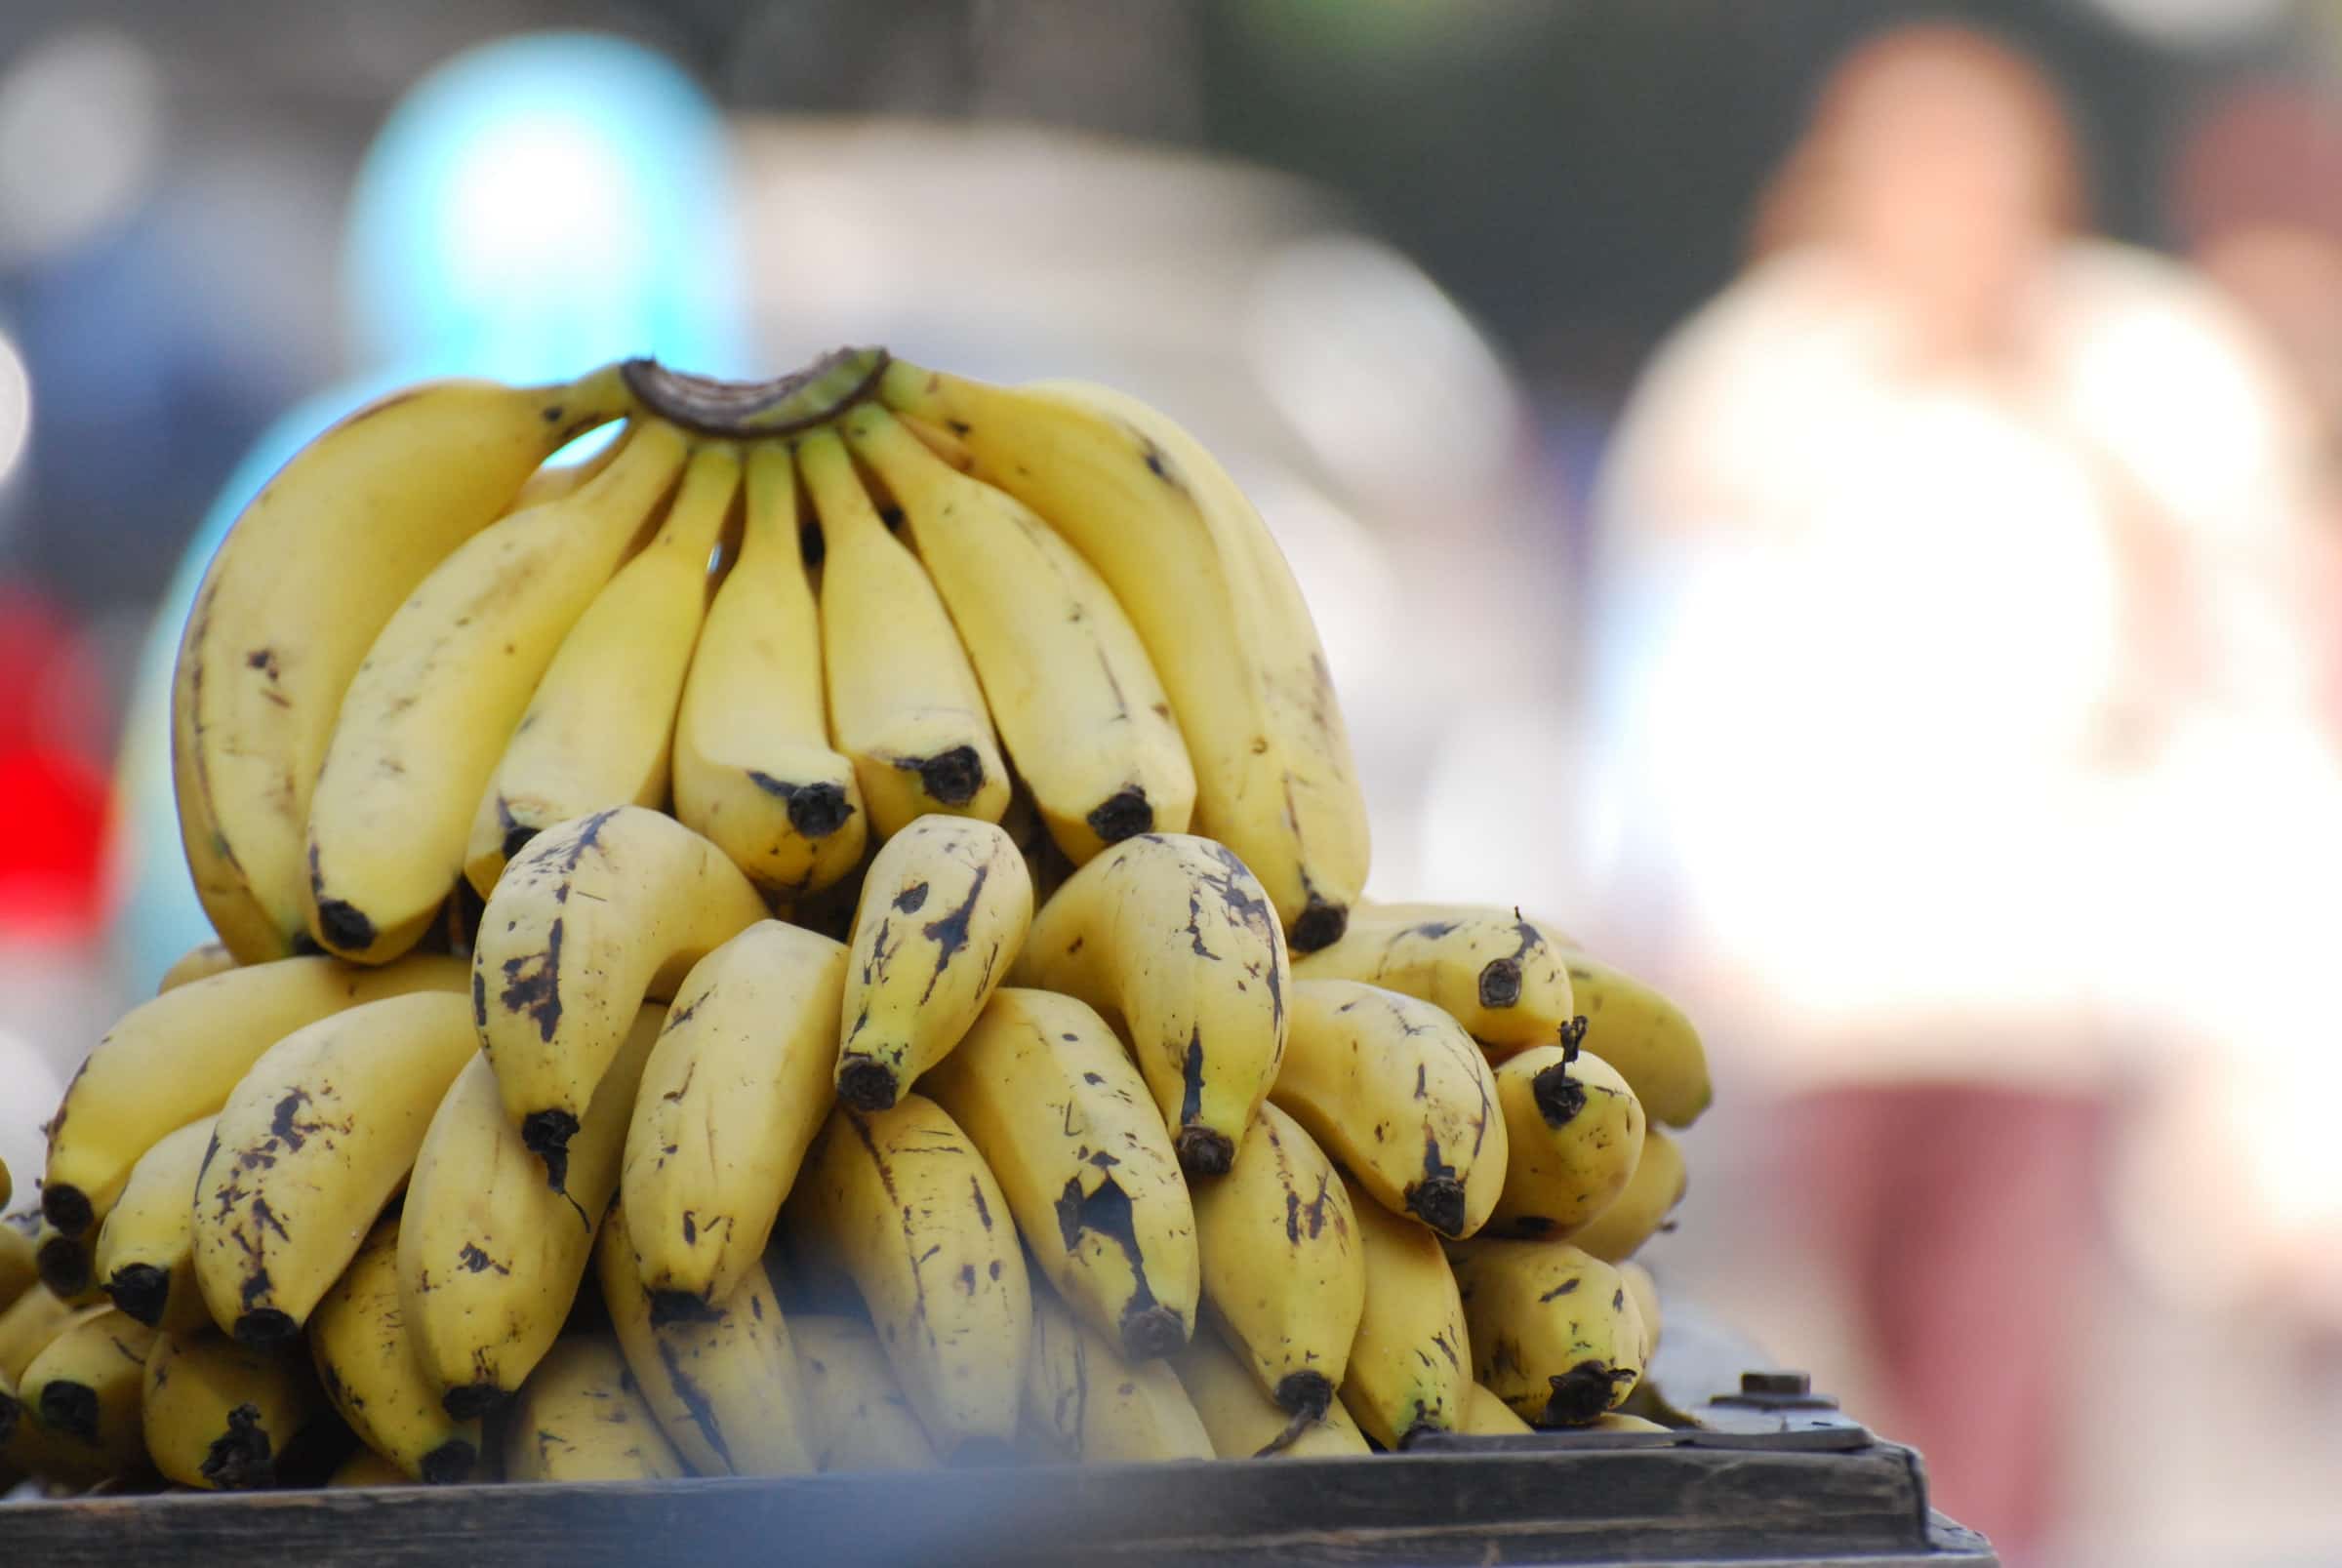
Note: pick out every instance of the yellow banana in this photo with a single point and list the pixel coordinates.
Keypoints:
(1577, 1135)
(1076, 700)
(1181, 548)
(1394, 1089)
(366, 1468)
(196, 963)
(1554, 1332)
(753, 767)
(1410, 1361)
(598, 731)
(1618, 1420)
(1049, 1098)
(1645, 1293)
(1284, 1279)
(1647, 1037)
(903, 1202)
(943, 914)
(1083, 1402)
(175, 1058)
(593, 916)
(308, 575)
(1639, 1212)
(428, 711)
(859, 1415)
(581, 1418)
(1496, 974)
(84, 1385)
(220, 1416)
(559, 481)
(489, 1258)
(64, 1262)
(363, 1345)
(1242, 1421)
(27, 1324)
(145, 1251)
(1171, 939)
(733, 1095)
(722, 1383)
(904, 703)
(19, 1272)
(317, 1137)
(1488, 1416)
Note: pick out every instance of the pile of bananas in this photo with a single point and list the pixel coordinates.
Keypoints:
(826, 936)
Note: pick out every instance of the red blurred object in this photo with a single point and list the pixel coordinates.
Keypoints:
(52, 781)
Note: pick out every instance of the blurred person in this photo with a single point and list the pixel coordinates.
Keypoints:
(1955, 696)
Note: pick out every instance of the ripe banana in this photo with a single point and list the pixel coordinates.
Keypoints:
(85, 1384)
(734, 1093)
(904, 703)
(753, 767)
(1181, 548)
(310, 573)
(1645, 1290)
(1394, 1089)
(1488, 1416)
(722, 1383)
(901, 1200)
(145, 1251)
(490, 1256)
(428, 711)
(175, 1058)
(582, 1418)
(1410, 1361)
(1284, 1279)
(366, 1468)
(593, 916)
(597, 733)
(1645, 1036)
(363, 1345)
(1577, 1136)
(1496, 974)
(1049, 1098)
(856, 1412)
(27, 1324)
(1242, 1421)
(1639, 1212)
(1171, 939)
(1083, 1402)
(1076, 700)
(196, 963)
(317, 1137)
(1554, 1332)
(220, 1416)
(944, 911)
(17, 1271)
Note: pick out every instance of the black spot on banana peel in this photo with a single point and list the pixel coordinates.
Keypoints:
(1581, 1393)
(1126, 814)
(141, 1291)
(242, 1458)
(671, 1307)
(1500, 982)
(449, 1464)
(949, 778)
(546, 1135)
(866, 1085)
(70, 1408)
(1149, 1327)
(1416, 1430)
(64, 1262)
(474, 1400)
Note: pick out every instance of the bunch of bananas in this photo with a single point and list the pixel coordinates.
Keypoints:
(826, 936)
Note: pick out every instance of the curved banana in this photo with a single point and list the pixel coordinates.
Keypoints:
(220, 1416)
(904, 703)
(1071, 691)
(1181, 548)
(1645, 1290)
(85, 1388)
(363, 1345)
(1641, 1210)
(1394, 1089)
(196, 963)
(1410, 1361)
(1171, 939)
(19, 1272)
(1488, 1416)
(366, 1468)
(581, 1418)
(732, 1097)
(944, 911)
(317, 1137)
(1577, 1136)
(429, 710)
(599, 727)
(1084, 1403)
(559, 481)
(901, 1200)
(593, 916)
(1284, 1279)
(304, 581)
(723, 1385)
(858, 1414)
(1554, 1332)
(1498, 975)
(1049, 1098)
(173, 1059)
(1633, 1027)
(145, 1250)
(29, 1324)
(490, 1256)
(753, 767)
(1242, 1421)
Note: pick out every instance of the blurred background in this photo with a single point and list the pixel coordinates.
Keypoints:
(1837, 503)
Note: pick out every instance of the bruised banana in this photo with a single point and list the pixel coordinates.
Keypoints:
(1410, 1362)
(1049, 1098)
(1171, 939)
(1554, 1332)
(220, 1416)
(856, 1411)
(196, 963)
(145, 1250)
(85, 1388)
(1070, 689)
(733, 1095)
(363, 1345)
(593, 916)
(319, 1135)
(1084, 1403)
(1394, 1089)
(1242, 1421)
(582, 1418)
(1639, 1212)
(1577, 1136)
(175, 1058)
(753, 767)
(311, 571)
(1496, 974)
(944, 911)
